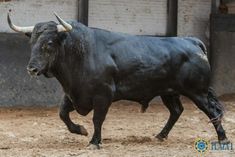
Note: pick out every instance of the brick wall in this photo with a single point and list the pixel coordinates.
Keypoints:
(134, 17)
(29, 12)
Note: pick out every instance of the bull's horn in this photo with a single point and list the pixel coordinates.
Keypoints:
(64, 25)
(17, 28)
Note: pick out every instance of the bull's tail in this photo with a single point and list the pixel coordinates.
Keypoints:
(215, 106)
(198, 42)
(202, 46)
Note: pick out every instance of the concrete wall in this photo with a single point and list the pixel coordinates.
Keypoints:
(223, 48)
(29, 12)
(223, 63)
(147, 17)
(193, 18)
(16, 86)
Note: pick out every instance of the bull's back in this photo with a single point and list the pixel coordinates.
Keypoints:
(154, 54)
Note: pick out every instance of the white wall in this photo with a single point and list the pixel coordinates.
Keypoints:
(129, 16)
(193, 17)
(30, 12)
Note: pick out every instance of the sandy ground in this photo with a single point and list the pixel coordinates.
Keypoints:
(38, 132)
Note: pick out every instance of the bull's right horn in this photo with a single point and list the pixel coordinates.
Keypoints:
(17, 28)
(64, 26)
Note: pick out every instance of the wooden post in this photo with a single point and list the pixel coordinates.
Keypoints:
(172, 13)
(83, 11)
(214, 6)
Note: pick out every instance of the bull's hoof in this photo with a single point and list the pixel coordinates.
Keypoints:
(224, 141)
(83, 131)
(161, 137)
(78, 129)
(143, 109)
(93, 146)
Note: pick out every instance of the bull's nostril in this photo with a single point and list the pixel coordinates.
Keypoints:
(32, 70)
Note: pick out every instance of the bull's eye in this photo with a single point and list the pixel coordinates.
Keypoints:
(47, 47)
(50, 43)
(47, 50)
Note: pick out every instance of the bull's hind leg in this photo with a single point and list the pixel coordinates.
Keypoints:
(209, 104)
(65, 108)
(172, 102)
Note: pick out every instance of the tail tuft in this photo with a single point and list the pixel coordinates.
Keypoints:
(215, 105)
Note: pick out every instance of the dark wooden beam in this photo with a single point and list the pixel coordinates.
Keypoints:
(83, 11)
(172, 12)
(214, 6)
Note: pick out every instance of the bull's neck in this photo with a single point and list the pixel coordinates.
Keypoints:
(65, 73)
(69, 67)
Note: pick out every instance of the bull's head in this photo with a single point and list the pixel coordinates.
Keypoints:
(45, 44)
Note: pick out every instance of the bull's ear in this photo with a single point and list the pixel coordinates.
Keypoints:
(28, 34)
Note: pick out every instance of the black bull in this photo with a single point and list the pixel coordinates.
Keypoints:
(96, 67)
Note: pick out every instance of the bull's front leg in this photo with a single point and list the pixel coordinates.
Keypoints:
(66, 107)
(101, 105)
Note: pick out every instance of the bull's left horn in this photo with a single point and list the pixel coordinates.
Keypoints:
(17, 28)
(64, 25)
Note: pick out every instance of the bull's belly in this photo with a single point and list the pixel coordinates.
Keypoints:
(141, 92)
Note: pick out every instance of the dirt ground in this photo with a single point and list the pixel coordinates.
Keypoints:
(38, 132)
